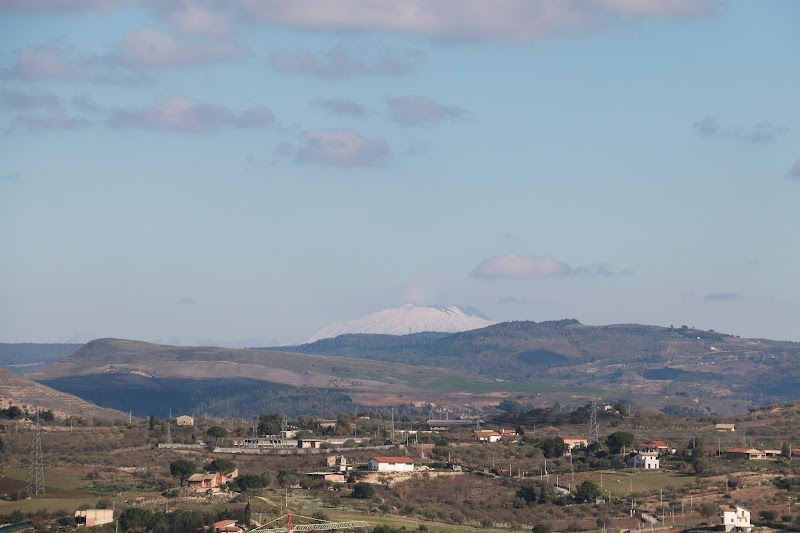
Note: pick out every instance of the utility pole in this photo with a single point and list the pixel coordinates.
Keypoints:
(36, 472)
(594, 427)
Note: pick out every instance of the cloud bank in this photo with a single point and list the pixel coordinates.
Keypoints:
(507, 20)
(340, 147)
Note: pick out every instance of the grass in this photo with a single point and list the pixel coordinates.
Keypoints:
(622, 485)
(460, 384)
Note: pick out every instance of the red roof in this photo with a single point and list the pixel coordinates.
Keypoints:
(394, 460)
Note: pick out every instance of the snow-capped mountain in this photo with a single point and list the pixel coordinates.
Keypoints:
(407, 319)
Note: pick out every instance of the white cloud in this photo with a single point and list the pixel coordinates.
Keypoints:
(343, 147)
(417, 109)
(181, 113)
(512, 265)
(193, 18)
(46, 62)
(342, 62)
(151, 47)
(509, 20)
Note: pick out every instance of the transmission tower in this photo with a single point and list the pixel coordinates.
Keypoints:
(169, 433)
(594, 427)
(36, 471)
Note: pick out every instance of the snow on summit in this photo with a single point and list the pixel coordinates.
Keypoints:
(407, 319)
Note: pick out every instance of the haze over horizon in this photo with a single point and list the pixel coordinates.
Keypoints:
(184, 171)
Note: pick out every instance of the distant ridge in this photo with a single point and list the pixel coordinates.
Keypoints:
(406, 320)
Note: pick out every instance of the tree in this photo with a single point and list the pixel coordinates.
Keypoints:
(786, 450)
(363, 491)
(588, 491)
(707, 510)
(152, 422)
(542, 528)
(136, 519)
(223, 466)
(618, 441)
(182, 468)
(217, 432)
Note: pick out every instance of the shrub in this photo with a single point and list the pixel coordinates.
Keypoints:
(363, 491)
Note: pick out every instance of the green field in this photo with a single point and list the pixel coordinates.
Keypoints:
(451, 383)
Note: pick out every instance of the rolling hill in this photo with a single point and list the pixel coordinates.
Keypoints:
(27, 394)
(151, 379)
(651, 365)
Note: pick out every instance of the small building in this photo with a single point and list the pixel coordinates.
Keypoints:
(772, 454)
(391, 464)
(309, 443)
(486, 435)
(184, 420)
(725, 427)
(645, 460)
(746, 453)
(574, 442)
(94, 517)
(333, 477)
(795, 454)
(735, 517)
(657, 446)
(209, 481)
(225, 526)
(338, 462)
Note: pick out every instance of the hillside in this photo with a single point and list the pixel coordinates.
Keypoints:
(684, 367)
(151, 379)
(26, 394)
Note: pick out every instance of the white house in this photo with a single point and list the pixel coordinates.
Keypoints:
(734, 517)
(94, 517)
(486, 435)
(391, 464)
(185, 420)
(646, 460)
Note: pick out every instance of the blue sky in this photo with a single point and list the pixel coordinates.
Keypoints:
(248, 171)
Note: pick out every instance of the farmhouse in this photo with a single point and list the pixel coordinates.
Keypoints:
(209, 481)
(94, 517)
(733, 517)
(391, 464)
(574, 442)
(185, 420)
(486, 435)
(646, 460)
(746, 453)
(725, 427)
